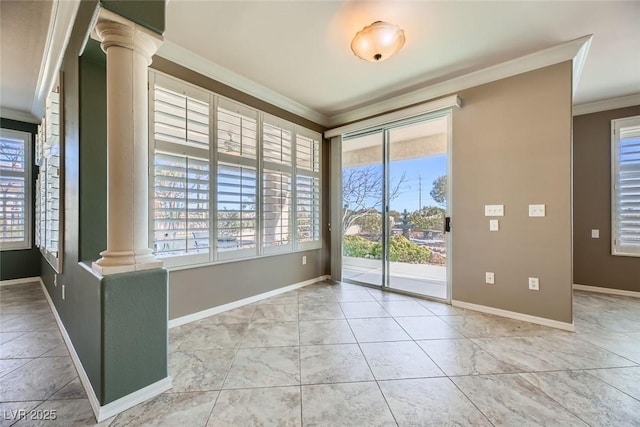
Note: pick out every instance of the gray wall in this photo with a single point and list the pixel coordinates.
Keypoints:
(117, 324)
(23, 263)
(93, 152)
(197, 289)
(593, 263)
(80, 310)
(512, 146)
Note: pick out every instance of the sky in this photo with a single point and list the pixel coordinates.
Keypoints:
(429, 168)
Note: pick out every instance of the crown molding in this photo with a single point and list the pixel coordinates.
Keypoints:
(21, 116)
(607, 104)
(63, 16)
(574, 50)
(188, 59)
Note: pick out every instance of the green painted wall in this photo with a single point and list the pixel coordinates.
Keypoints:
(93, 152)
(118, 325)
(80, 310)
(23, 263)
(134, 331)
(148, 13)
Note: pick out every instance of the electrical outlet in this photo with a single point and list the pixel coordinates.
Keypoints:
(63, 295)
(304, 260)
(494, 225)
(489, 278)
(55, 280)
(595, 234)
(537, 210)
(534, 283)
(494, 210)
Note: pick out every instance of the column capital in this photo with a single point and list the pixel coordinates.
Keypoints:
(112, 29)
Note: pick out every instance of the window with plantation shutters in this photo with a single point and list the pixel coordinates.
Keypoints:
(229, 181)
(15, 197)
(181, 171)
(307, 190)
(237, 181)
(626, 186)
(277, 184)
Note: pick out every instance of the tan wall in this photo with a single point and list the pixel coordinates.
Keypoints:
(512, 146)
(593, 263)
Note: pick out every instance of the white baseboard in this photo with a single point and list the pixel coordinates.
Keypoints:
(109, 410)
(179, 321)
(514, 315)
(610, 291)
(130, 400)
(19, 281)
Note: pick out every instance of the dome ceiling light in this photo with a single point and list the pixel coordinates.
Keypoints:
(378, 41)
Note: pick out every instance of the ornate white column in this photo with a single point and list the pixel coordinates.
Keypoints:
(129, 48)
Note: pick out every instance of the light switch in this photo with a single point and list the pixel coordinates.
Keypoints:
(494, 210)
(494, 225)
(595, 234)
(489, 278)
(534, 283)
(536, 210)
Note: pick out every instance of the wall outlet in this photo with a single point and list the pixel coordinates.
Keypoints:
(537, 210)
(55, 280)
(534, 283)
(489, 278)
(494, 210)
(63, 295)
(595, 234)
(304, 260)
(494, 225)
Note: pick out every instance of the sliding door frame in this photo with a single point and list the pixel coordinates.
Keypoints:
(336, 199)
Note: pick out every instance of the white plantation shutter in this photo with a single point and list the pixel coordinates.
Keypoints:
(181, 171)
(277, 184)
(276, 206)
(626, 186)
(236, 222)
(307, 190)
(237, 181)
(15, 198)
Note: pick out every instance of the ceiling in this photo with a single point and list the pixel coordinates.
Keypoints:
(296, 53)
(300, 49)
(23, 34)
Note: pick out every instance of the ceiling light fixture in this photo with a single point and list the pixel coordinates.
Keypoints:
(378, 41)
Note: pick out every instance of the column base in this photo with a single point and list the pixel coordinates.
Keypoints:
(122, 262)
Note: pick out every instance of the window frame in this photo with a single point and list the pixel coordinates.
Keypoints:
(616, 125)
(27, 242)
(257, 163)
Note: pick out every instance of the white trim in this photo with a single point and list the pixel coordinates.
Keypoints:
(514, 315)
(574, 50)
(19, 281)
(621, 292)
(553, 55)
(424, 108)
(107, 411)
(607, 104)
(179, 321)
(20, 116)
(578, 64)
(132, 399)
(63, 16)
(208, 68)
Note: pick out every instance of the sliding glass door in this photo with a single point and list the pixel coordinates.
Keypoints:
(362, 209)
(395, 192)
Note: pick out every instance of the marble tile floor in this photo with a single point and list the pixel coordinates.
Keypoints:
(343, 355)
